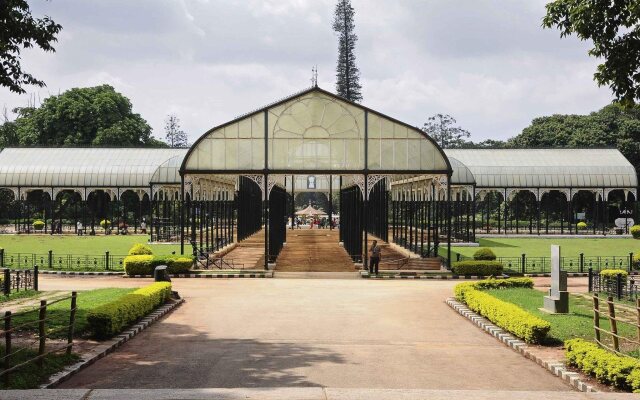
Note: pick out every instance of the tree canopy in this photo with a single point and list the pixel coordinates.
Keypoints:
(347, 72)
(441, 127)
(93, 116)
(174, 135)
(20, 30)
(614, 28)
(612, 126)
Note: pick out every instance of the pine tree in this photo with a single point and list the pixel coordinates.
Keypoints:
(347, 73)
(174, 136)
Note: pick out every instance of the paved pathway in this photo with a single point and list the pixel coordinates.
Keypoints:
(316, 332)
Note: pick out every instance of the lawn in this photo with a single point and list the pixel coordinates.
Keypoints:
(577, 324)
(31, 375)
(18, 295)
(81, 245)
(58, 313)
(534, 247)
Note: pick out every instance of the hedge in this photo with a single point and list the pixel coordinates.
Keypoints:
(477, 267)
(635, 231)
(581, 225)
(105, 223)
(140, 249)
(38, 224)
(146, 264)
(612, 274)
(636, 261)
(506, 315)
(484, 254)
(111, 318)
(607, 367)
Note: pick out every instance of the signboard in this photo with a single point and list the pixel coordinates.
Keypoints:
(581, 216)
(623, 222)
(311, 182)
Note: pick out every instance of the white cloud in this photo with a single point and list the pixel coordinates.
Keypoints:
(487, 63)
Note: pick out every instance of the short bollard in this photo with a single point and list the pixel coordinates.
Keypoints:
(160, 274)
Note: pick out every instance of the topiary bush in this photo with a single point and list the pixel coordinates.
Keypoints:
(612, 274)
(38, 224)
(635, 231)
(146, 264)
(111, 318)
(105, 223)
(140, 249)
(607, 367)
(581, 225)
(506, 315)
(477, 267)
(484, 254)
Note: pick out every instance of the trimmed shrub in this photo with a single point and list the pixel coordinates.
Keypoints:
(146, 264)
(636, 261)
(111, 318)
(477, 267)
(105, 223)
(612, 274)
(635, 231)
(140, 249)
(581, 225)
(508, 316)
(38, 224)
(607, 367)
(484, 254)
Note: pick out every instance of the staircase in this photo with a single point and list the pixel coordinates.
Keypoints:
(392, 259)
(248, 254)
(313, 250)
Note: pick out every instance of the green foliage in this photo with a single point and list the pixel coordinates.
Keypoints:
(484, 254)
(612, 274)
(32, 375)
(635, 231)
(612, 126)
(612, 26)
(607, 367)
(111, 318)
(105, 223)
(508, 316)
(488, 284)
(441, 127)
(93, 116)
(636, 260)
(347, 72)
(20, 30)
(477, 267)
(140, 249)
(146, 264)
(38, 224)
(581, 225)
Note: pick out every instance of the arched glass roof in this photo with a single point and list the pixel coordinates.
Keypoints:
(461, 174)
(315, 131)
(547, 168)
(82, 167)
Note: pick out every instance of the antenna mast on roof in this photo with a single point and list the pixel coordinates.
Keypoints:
(314, 76)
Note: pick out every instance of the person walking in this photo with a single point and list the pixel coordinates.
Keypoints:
(374, 258)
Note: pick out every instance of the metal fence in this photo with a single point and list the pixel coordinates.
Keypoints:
(620, 287)
(19, 280)
(581, 263)
(62, 262)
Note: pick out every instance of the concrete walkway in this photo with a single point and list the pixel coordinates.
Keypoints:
(255, 333)
(316, 393)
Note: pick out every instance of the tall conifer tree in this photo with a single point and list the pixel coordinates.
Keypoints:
(347, 73)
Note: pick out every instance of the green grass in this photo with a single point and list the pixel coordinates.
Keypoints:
(18, 295)
(80, 245)
(577, 324)
(534, 247)
(31, 375)
(58, 313)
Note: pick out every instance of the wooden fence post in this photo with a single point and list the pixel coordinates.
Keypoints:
(596, 316)
(6, 284)
(41, 330)
(638, 317)
(72, 321)
(35, 278)
(7, 346)
(614, 325)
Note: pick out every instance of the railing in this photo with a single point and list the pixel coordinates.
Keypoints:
(62, 262)
(581, 263)
(620, 287)
(20, 355)
(628, 315)
(17, 280)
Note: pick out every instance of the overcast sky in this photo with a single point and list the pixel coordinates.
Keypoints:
(488, 63)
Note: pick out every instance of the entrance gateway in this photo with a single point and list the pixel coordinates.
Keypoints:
(394, 182)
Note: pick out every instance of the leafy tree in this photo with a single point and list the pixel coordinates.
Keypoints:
(94, 116)
(174, 136)
(612, 126)
(485, 144)
(19, 29)
(441, 127)
(614, 28)
(347, 73)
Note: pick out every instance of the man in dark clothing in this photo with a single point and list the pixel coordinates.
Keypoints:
(374, 258)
